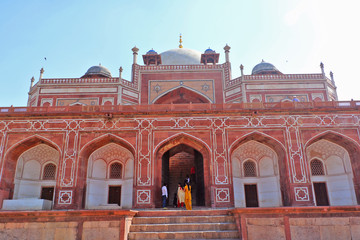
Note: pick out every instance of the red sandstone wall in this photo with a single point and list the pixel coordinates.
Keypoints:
(150, 134)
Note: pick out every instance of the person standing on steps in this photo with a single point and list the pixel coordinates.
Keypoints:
(164, 195)
(180, 196)
(187, 189)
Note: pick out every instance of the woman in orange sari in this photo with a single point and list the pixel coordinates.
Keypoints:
(187, 189)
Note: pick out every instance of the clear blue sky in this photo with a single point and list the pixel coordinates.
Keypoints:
(74, 35)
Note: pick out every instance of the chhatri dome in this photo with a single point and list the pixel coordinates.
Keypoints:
(97, 71)
(265, 68)
(151, 52)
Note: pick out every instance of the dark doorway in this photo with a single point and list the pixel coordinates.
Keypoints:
(321, 195)
(47, 193)
(176, 166)
(251, 196)
(114, 195)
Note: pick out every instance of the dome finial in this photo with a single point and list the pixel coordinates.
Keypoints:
(180, 41)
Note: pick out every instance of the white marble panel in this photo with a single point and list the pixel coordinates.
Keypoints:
(26, 204)
(28, 189)
(97, 193)
(334, 165)
(266, 167)
(127, 193)
(239, 195)
(99, 169)
(32, 170)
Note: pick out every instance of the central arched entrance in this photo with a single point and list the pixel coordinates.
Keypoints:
(179, 163)
(174, 160)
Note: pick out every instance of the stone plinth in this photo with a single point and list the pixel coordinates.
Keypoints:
(27, 204)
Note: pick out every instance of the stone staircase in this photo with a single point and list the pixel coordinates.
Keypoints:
(182, 224)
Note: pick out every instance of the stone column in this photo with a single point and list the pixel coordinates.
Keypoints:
(120, 73)
(227, 50)
(322, 69)
(41, 73)
(135, 53)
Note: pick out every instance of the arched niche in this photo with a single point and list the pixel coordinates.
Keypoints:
(279, 167)
(334, 186)
(255, 166)
(103, 189)
(84, 155)
(351, 147)
(14, 165)
(29, 179)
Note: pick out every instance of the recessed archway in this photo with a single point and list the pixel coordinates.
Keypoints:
(280, 153)
(255, 165)
(352, 149)
(192, 153)
(110, 167)
(11, 159)
(84, 156)
(36, 172)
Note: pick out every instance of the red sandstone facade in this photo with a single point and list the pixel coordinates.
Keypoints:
(171, 117)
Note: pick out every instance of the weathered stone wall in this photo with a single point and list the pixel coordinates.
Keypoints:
(39, 230)
(69, 225)
(299, 223)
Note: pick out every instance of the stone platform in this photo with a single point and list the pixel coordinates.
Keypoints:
(240, 223)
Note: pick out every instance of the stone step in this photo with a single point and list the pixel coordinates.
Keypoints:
(177, 212)
(182, 227)
(183, 219)
(185, 235)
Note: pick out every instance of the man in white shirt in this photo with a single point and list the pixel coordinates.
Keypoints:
(164, 195)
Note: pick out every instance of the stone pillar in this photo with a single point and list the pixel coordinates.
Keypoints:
(300, 185)
(135, 53)
(221, 189)
(32, 82)
(227, 50)
(41, 73)
(67, 194)
(120, 73)
(243, 91)
(29, 93)
(332, 77)
(322, 69)
(145, 192)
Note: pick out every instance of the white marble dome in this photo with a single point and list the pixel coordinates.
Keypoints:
(180, 56)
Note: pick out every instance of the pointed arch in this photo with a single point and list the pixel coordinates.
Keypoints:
(182, 138)
(101, 141)
(18, 148)
(189, 141)
(259, 137)
(280, 151)
(84, 155)
(11, 157)
(181, 94)
(350, 145)
(334, 137)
